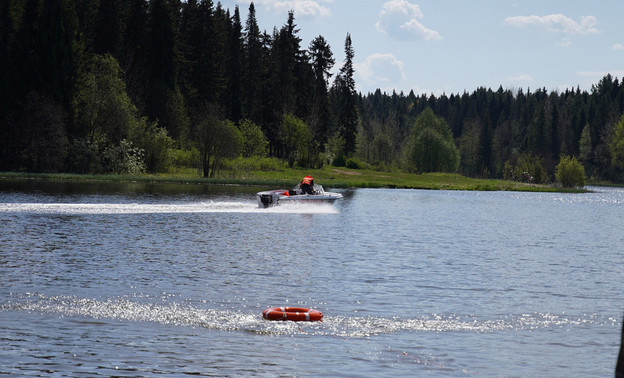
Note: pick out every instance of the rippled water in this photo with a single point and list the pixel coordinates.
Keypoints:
(140, 279)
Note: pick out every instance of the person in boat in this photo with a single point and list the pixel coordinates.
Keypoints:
(307, 185)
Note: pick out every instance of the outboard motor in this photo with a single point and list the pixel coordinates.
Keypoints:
(266, 200)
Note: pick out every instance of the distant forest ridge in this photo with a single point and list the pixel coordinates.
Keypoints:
(135, 85)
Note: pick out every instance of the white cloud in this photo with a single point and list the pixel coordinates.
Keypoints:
(556, 23)
(381, 71)
(524, 78)
(302, 8)
(617, 46)
(400, 19)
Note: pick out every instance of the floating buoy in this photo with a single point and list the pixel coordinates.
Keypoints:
(296, 314)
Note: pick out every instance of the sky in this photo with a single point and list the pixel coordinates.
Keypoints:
(457, 46)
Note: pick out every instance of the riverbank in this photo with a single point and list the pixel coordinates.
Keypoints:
(329, 177)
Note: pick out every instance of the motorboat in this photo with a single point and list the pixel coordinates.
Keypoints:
(295, 195)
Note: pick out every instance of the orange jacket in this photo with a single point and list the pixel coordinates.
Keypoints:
(307, 180)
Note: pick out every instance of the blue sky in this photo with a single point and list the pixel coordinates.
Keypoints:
(452, 46)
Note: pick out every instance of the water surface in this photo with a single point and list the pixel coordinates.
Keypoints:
(141, 279)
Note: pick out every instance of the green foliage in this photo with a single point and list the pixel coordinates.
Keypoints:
(585, 146)
(529, 168)
(83, 155)
(51, 54)
(570, 173)
(616, 145)
(167, 58)
(354, 163)
(382, 149)
(339, 161)
(469, 143)
(155, 142)
(97, 156)
(122, 158)
(263, 164)
(101, 105)
(508, 171)
(254, 141)
(431, 147)
(319, 115)
(41, 135)
(217, 140)
(184, 158)
(296, 139)
(109, 124)
(383, 167)
(334, 150)
(175, 118)
(345, 98)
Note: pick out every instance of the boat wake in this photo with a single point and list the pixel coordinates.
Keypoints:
(140, 309)
(152, 208)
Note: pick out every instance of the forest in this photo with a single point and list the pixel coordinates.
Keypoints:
(133, 86)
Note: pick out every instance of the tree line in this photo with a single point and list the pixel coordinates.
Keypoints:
(495, 131)
(93, 86)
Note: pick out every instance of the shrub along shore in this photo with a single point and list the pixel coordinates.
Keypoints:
(329, 177)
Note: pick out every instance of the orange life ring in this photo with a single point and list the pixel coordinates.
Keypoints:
(296, 314)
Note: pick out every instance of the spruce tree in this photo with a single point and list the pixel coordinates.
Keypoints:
(345, 88)
(252, 67)
(189, 43)
(322, 61)
(133, 57)
(6, 34)
(234, 69)
(163, 99)
(285, 53)
(219, 41)
(108, 28)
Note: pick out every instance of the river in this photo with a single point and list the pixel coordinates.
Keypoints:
(138, 279)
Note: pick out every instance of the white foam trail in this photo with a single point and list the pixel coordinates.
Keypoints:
(136, 310)
(137, 208)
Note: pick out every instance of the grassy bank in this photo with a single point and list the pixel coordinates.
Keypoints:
(329, 177)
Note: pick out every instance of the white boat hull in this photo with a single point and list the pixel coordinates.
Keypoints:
(282, 196)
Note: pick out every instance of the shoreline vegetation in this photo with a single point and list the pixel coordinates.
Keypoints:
(329, 177)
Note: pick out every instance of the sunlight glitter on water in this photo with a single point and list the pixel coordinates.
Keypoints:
(177, 314)
(137, 208)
